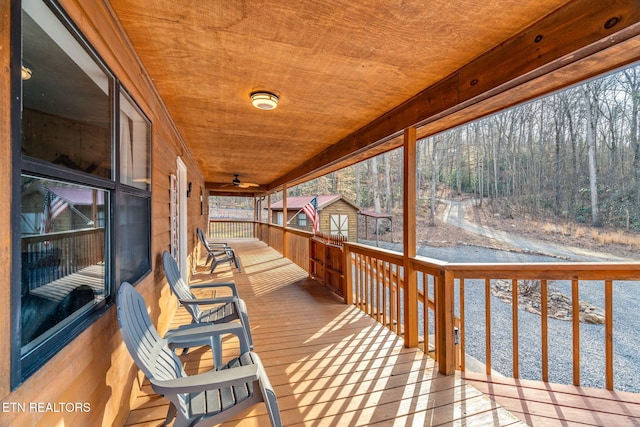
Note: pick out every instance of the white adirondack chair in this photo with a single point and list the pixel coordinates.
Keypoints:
(200, 400)
(217, 252)
(225, 309)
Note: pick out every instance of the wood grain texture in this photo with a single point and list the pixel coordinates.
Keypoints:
(502, 69)
(329, 363)
(344, 71)
(5, 194)
(95, 366)
(548, 404)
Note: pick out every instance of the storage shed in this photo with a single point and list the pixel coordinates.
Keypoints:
(337, 215)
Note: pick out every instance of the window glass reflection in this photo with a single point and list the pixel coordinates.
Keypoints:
(135, 168)
(66, 117)
(135, 236)
(63, 255)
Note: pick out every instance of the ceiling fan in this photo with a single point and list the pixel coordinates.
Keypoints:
(237, 183)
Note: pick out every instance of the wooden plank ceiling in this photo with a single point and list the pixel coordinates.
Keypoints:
(337, 65)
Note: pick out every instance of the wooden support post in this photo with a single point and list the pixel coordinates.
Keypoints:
(409, 240)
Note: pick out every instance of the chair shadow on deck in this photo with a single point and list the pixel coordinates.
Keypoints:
(330, 363)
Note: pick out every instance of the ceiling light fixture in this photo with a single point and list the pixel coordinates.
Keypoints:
(26, 73)
(264, 100)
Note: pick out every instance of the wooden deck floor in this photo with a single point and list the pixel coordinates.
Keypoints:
(332, 365)
(547, 404)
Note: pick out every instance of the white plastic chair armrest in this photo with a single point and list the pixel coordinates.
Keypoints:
(207, 301)
(230, 285)
(209, 380)
(186, 334)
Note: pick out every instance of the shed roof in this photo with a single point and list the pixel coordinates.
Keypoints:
(375, 214)
(298, 202)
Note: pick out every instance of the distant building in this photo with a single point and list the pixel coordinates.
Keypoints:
(337, 215)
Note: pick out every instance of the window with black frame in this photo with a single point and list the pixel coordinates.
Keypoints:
(71, 176)
(134, 199)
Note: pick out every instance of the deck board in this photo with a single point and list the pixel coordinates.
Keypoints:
(543, 404)
(58, 289)
(329, 363)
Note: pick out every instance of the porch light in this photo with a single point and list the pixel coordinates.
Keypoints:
(264, 100)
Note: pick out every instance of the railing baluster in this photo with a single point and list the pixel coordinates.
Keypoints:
(608, 325)
(379, 287)
(514, 326)
(462, 330)
(394, 301)
(365, 281)
(387, 294)
(369, 284)
(361, 281)
(544, 315)
(358, 274)
(425, 312)
(396, 272)
(487, 296)
(575, 320)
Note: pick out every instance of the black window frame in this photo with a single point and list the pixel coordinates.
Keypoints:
(122, 189)
(22, 367)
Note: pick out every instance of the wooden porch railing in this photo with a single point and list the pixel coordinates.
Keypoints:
(230, 228)
(48, 257)
(577, 275)
(377, 286)
(374, 281)
(292, 243)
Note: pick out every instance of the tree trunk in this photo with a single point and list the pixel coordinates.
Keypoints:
(458, 136)
(434, 183)
(557, 179)
(357, 173)
(387, 182)
(632, 78)
(590, 116)
(374, 185)
(419, 168)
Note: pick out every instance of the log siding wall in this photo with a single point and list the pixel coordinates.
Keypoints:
(95, 368)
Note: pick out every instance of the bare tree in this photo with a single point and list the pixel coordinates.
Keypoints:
(631, 78)
(387, 182)
(434, 179)
(589, 92)
(374, 184)
(357, 172)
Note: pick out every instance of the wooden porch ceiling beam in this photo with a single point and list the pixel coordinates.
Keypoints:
(572, 33)
(224, 189)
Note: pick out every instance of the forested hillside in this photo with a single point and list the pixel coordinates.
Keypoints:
(573, 156)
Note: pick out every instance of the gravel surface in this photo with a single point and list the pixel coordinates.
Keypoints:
(626, 326)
